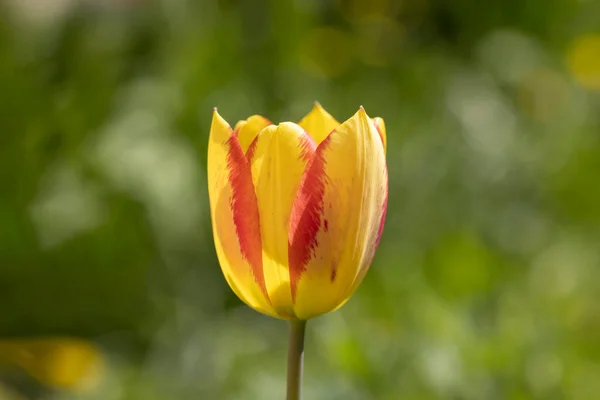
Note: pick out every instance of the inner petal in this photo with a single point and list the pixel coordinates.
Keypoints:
(278, 158)
(318, 123)
(247, 130)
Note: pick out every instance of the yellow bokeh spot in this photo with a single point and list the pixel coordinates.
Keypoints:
(583, 58)
(67, 363)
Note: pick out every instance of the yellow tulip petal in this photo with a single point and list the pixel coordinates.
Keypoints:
(235, 218)
(318, 123)
(247, 130)
(380, 126)
(337, 217)
(278, 156)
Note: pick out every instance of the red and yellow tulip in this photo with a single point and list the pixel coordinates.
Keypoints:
(297, 209)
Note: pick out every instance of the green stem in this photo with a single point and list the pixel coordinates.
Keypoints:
(295, 359)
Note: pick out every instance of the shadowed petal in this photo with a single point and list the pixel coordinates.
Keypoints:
(380, 126)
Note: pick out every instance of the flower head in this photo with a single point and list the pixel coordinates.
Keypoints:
(297, 209)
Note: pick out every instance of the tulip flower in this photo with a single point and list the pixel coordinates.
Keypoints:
(297, 212)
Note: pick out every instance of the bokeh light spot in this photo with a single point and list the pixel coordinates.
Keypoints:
(583, 58)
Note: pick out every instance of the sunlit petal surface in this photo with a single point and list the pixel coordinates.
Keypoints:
(234, 214)
(278, 156)
(338, 216)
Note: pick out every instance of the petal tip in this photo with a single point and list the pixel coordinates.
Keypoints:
(318, 107)
(362, 113)
(318, 123)
(219, 127)
(216, 114)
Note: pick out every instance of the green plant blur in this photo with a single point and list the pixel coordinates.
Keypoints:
(486, 284)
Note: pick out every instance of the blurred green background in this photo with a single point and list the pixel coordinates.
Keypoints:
(487, 281)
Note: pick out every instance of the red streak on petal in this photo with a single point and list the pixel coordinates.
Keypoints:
(307, 146)
(251, 150)
(305, 219)
(245, 210)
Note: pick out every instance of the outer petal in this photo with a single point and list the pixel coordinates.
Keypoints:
(279, 156)
(318, 123)
(234, 215)
(337, 217)
(246, 130)
(380, 126)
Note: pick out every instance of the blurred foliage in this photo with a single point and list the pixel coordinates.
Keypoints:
(487, 281)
